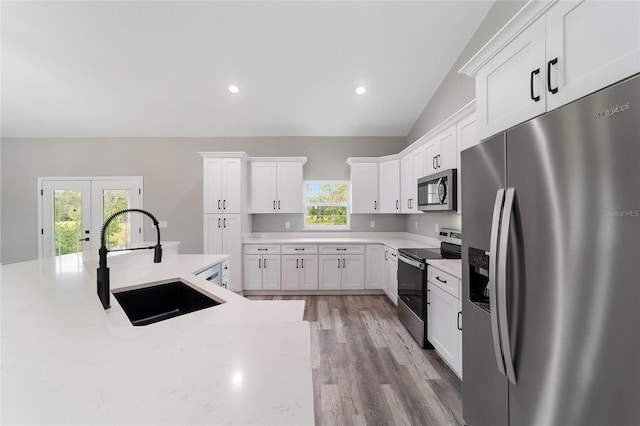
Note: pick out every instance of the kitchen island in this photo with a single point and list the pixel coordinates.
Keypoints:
(65, 360)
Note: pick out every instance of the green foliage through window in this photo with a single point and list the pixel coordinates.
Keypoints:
(326, 204)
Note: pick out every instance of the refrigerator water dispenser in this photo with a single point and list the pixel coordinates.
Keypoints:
(479, 278)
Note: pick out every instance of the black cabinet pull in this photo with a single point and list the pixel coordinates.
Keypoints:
(338, 263)
(218, 204)
(302, 263)
(441, 280)
(298, 249)
(262, 249)
(278, 204)
(224, 222)
(375, 205)
(297, 260)
(224, 204)
(274, 204)
(428, 298)
(397, 202)
(260, 263)
(459, 322)
(534, 73)
(343, 265)
(549, 64)
(433, 162)
(341, 249)
(218, 222)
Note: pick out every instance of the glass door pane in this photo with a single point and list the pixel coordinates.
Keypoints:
(66, 217)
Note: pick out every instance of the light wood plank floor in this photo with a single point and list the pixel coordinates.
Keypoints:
(368, 370)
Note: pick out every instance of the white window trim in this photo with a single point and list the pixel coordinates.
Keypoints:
(334, 228)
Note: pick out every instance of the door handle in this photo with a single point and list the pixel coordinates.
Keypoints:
(493, 270)
(549, 64)
(84, 239)
(502, 284)
(459, 320)
(533, 73)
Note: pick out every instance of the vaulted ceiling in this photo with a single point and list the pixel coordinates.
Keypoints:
(162, 69)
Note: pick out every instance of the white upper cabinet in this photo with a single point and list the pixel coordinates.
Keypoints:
(411, 169)
(276, 186)
(364, 187)
(222, 185)
(389, 186)
(550, 54)
(596, 43)
(440, 153)
(467, 136)
(510, 88)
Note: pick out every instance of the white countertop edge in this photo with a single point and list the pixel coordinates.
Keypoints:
(394, 240)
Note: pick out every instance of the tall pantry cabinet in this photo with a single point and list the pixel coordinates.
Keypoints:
(224, 208)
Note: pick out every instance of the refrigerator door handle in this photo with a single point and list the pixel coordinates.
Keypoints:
(493, 275)
(502, 282)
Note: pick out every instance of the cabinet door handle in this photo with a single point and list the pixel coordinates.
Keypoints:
(441, 280)
(343, 265)
(338, 263)
(375, 205)
(534, 73)
(386, 255)
(297, 260)
(224, 222)
(264, 263)
(278, 204)
(428, 298)
(341, 249)
(224, 204)
(262, 249)
(218, 222)
(302, 263)
(218, 204)
(459, 320)
(260, 263)
(433, 162)
(299, 249)
(274, 204)
(397, 202)
(408, 203)
(549, 64)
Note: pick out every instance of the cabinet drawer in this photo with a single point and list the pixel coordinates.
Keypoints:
(300, 249)
(262, 249)
(342, 249)
(446, 282)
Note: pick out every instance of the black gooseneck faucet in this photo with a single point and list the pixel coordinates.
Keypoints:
(103, 271)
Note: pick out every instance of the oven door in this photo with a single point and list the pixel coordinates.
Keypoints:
(412, 285)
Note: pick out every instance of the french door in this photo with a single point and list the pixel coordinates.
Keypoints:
(72, 211)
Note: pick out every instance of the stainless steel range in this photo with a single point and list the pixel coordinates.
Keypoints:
(412, 281)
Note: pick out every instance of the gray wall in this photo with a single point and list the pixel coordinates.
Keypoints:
(456, 91)
(172, 172)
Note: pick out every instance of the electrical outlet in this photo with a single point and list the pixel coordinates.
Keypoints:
(162, 224)
(436, 228)
(416, 224)
(287, 225)
(373, 224)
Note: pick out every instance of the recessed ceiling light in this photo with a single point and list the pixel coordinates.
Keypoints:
(234, 89)
(360, 90)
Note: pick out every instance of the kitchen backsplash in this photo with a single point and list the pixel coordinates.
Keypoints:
(425, 224)
(359, 223)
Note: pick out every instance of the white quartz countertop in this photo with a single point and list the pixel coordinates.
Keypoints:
(65, 360)
(395, 240)
(450, 266)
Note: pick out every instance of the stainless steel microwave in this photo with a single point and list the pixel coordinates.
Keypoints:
(437, 192)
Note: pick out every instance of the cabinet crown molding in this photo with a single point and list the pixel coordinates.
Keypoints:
(302, 160)
(224, 154)
(529, 13)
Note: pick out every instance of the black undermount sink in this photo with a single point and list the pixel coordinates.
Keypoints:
(148, 305)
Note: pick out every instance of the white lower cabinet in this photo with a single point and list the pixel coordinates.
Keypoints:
(262, 268)
(341, 271)
(392, 276)
(299, 272)
(444, 323)
(376, 274)
(223, 234)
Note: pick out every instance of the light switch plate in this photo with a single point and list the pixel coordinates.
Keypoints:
(162, 224)
(287, 225)
(373, 224)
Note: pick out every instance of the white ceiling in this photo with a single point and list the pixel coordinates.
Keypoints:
(160, 69)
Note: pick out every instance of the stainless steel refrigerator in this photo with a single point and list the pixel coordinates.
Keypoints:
(551, 267)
